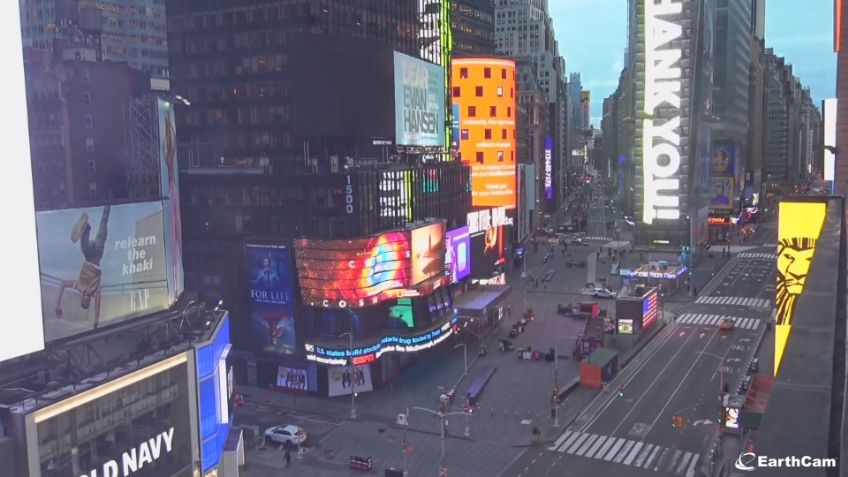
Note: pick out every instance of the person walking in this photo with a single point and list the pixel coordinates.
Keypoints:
(287, 458)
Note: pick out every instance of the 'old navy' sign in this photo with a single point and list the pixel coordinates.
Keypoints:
(661, 140)
(135, 459)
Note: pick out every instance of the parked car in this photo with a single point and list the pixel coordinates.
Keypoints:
(576, 241)
(576, 264)
(289, 434)
(726, 324)
(746, 383)
(604, 293)
(755, 365)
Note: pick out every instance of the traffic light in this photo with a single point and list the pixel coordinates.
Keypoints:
(677, 421)
(554, 396)
(621, 392)
(720, 418)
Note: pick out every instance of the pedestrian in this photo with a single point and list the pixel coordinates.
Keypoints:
(287, 458)
(695, 291)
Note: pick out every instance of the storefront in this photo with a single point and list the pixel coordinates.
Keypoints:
(667, 278)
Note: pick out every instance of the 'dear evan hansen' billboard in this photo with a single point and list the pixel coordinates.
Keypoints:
(100, 266)
(419, 102)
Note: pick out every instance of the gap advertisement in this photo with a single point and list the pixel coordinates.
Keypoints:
(458, 257)
(100, 266)
(169, 179)
(269, 280)
(419, 102)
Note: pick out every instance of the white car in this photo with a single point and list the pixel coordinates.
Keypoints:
(603, 293)
(286, 435)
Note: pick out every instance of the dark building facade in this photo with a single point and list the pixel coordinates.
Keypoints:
(473, 24)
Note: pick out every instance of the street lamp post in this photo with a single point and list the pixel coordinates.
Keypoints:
(556, 378)
(352, 375)
(442, 416)
(464, 358)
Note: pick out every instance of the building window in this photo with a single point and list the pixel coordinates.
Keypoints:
(487, 72)
(463, 73)
(493, 111)
(463, 134)
(88, 121)
(89, 144)
(86, 99)
(488, 134)
(92, 189)
(503, 134)
(500, 91)
(500, 156)
(503, 73)
(478, 91)
(91, 167)
(480, 157)
(509, 111)
(456, 91)
(472, 111)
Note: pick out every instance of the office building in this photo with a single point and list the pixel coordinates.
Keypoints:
(473, 23)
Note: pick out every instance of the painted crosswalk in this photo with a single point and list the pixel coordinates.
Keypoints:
(595, 237)
(627, 452)
(734, 300)
(760, 255)
(708, 319)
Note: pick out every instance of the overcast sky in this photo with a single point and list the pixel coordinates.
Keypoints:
(592, 35)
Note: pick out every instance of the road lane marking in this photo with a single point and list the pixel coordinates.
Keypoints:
(596, 445)
(577, 443)
(690, 472)
(660, 458)
(586, 445)
(623, 452)
(559, 441)
(683, 462)
(568, 442)
(651, 457)
(642, 455)
(633, 453)
(670, 467)
(614, 449)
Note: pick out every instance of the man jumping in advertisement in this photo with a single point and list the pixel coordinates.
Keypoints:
(88, 283)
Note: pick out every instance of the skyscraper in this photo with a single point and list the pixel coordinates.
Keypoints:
(473, 23)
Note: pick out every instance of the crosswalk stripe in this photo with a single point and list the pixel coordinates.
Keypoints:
(560, 440)
(712, 299)
(735, 300)
(597, 444)
(700, 299)
(642, 455)
(633, 453)
(752, 324)
(568, 442)
(749, 301)
(673, 461)
(699, 318)
(651, 457)
(624, 451)
(712, 320)
(604, 448)
(577, 443)
(683, 462)
(614, 449)
(660, 459)
(592, 438)
(744, 323)
(690, 472)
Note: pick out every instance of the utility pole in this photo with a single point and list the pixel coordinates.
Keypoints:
(352, 375)
(442, 415)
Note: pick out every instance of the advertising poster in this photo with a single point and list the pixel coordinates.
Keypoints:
(549, 179)
(419, 102)
(428, 252)
(401, 314)
(169, 179)
(342, 381)
(650, 309)
(100, 266)
(458, 257)
(353, 273)
(722, 193)
(269, 280)
(487, 251)
(455, 137)
(292, 378)
(798, 229)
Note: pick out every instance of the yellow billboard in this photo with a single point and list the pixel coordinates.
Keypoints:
(799, 227)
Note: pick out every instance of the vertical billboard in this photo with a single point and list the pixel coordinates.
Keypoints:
(829, 127)
(100, 266)
(484, 89)
(549, 168)
(722, 176)
(419, 102)
(19, 252)
(342, 381)
(488, 251)
(269, 278)
(798, 228)
(169, 178)
(662, 152)
(428, 252)
(458, 254)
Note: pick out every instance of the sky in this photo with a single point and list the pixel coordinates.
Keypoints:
(592, 35)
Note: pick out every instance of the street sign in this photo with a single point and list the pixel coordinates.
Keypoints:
(401, 420)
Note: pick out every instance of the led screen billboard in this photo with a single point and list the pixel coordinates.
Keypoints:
(722, 176)
(798, 229)
(292, 378)
(342, 381)
(353, 273)
(650, 310)
(419, 102)
(428, 252)
(19, 251)
(484, 89)
(458, 256)
(402, 314)
(100, 266)
(169, 178)
(487, 252)
(549, 179)
(269, 278)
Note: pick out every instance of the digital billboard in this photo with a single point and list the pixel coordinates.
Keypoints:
(829, 128)
(722, 193)
(342, 381)
(292, 378)
(100, 266)
(650, 310)
(458, 256)
(215, 388)
(428, 252)
(484, 89)
(19, 250)
(549, 177)
(353, 273)
(169, 178)
(419, 102)
(269, 278)
(487, 252)
(798, 229)
(402, 314)
(722, 176)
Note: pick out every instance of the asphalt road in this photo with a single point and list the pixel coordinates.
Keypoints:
(680, 373)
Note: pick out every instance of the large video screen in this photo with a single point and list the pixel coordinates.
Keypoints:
(487, 251)
(169, 178)
(458, 254)
(352, 273)
(100, 266)
(428, 252)
(419, 102)
(269, 275)
(650, 309)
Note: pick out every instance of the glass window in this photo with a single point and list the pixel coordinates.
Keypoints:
(478, 91)
(472, 111)
(487, 72)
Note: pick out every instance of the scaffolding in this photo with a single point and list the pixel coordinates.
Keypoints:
(143, 178)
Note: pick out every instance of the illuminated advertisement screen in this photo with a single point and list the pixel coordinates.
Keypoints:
(458, 254)
(829, 126)
(549, 176)
(484, 89)
(428, 252)
(419, 102)
(401, 314)
(650, 308)
(732, 421)
(798, 229)
(625, 326)
(353, 273)
(343, 382)
(269, 279)
(100, 266)
(292, 378)
(169, 178)
(722, 176)
(395, 194)
(487, 252)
